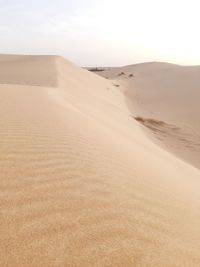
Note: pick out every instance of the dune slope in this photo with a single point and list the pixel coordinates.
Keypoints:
(80, 183)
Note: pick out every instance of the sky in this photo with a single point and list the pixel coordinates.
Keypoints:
(103, 33)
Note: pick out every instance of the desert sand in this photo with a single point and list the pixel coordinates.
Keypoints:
(84, 183)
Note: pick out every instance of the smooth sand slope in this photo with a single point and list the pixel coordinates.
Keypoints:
(80, 183)
(165, 97)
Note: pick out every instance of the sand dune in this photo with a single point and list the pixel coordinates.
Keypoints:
(31, 70)
(81, 184)
(168, 93)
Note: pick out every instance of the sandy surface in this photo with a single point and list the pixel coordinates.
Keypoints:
(81, 183)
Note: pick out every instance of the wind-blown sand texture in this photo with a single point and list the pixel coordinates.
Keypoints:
(81, 184)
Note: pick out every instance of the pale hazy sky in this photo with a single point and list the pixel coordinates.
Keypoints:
(112, 32)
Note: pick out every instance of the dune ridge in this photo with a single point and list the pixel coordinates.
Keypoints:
(81, 184)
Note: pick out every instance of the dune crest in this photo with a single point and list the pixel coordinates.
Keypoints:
(81, 184)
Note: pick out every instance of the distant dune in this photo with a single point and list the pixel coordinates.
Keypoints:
(81, 183)
(169, 93)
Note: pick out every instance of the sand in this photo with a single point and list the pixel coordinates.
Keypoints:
(81, 183)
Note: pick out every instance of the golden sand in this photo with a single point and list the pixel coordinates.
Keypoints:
(81, 184)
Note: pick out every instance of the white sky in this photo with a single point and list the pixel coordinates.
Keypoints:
(92, 32)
